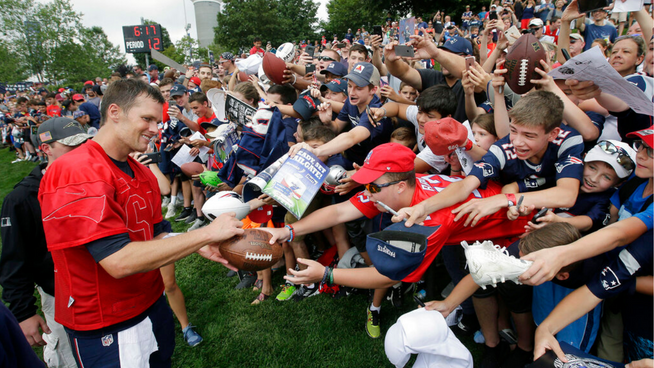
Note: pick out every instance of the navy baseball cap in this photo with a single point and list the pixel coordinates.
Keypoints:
(363, 74)
(336, 85)
(335, 68)
(227, 56)
(153, 67)
(177, 90)
(398, 250)
(306, 105)
(213, 123)
(458, 45)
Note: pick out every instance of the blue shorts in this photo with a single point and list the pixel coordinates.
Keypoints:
(101, 348)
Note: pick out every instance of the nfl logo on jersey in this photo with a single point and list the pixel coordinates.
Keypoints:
(486, 168)
(107, 340)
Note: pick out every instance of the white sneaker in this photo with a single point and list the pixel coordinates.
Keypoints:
(165, 202)
(17, 160)
(489, 263)
(170, 213)
(198, 223)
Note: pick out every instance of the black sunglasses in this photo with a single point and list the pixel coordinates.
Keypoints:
(325, 58)
(373, 188)
(640, 144)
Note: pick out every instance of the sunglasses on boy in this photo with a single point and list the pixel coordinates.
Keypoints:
(373, 188)
(623, 158)
(325, 58)
(640, 144)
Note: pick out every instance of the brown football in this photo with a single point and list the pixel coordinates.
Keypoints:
(274, 67)
(251, 251)
(192, 168)
(521, 62)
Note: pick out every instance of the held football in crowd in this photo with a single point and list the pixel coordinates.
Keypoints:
(471, 137)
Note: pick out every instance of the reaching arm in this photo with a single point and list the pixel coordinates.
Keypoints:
(571, 308)
(646, 23)
(548, 262)
(396, 66)
(145, 256)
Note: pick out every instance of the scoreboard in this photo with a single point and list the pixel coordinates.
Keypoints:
(142, 38)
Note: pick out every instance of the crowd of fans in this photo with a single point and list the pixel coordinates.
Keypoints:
(439, 140)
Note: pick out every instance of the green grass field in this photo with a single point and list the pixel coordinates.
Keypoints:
(317, 332)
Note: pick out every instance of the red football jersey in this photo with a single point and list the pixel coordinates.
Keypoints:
(203, 119)
(84, 197)
(494, 226)
(53, 110)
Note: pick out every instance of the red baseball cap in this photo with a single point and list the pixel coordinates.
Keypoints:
(88, 82)
(61, 90)
(646, 135)
(78, 97)
(262, 214)
(445, 135)
(196, 81)
(385, 158)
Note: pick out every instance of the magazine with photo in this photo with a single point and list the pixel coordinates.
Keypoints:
(291, 181)
(238, 111)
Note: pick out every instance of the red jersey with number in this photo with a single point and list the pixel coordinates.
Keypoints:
(84, 197)
(53, 110)
(450, 232)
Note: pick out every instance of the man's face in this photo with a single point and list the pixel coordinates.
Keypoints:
(257, 43)
(154, 72)
(90, 93)
(598, 177)
(205, 73)
(165, 91)
(22, 107)
(556, 25)
(200, 109)
(335, 96)
(530, 142)
(599, 15)
(221, 70)
(409, 93)
(354, 58)
(576, 47)
(181, 100)
(426, 116)
(326, 57)
(624, 57)
(538, 31)
(359, 96)
(387, 195)
(49, 101)
(138, 70)
(275, 98)
(138, 126)
(43, 109)
(55, 150)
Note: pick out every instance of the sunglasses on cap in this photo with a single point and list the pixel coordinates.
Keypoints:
(638, 145)
(373, 188)
(325, 58)
(623, 158)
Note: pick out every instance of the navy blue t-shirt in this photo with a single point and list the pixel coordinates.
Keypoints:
(290, 127)
(92, 111)
(593, 32)
(378, 135)
(594, 205)
(561, 160)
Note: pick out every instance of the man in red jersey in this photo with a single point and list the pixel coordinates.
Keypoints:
(102, 219)
(389, 177)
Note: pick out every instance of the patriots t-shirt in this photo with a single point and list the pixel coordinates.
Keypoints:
(594, 205)
(561, 160)
(378, 135)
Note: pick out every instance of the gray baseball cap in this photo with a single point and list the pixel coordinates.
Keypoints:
(63, 130)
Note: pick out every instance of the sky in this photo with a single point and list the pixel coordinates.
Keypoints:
(113, 15)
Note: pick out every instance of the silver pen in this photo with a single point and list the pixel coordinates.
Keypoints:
(388, 208)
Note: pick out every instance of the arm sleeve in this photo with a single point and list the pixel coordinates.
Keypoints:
(363, 203)
(489, 166)
(620, 274)
(15, 269)
(569, 163)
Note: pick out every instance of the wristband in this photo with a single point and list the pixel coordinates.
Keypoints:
(292, 232)
(468, 145)
(294, 80)
(511, 198)
(385, 112)
(331, 277)
(325, 276)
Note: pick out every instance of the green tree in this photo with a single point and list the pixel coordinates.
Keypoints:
(277, 21)
(49, 40)
(12, 67)
(344, 14)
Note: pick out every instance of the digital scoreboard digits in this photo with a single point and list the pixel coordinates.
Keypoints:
(142, 38)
